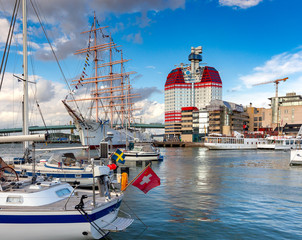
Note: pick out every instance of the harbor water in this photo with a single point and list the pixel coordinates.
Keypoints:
(219, 195)
(206, 194)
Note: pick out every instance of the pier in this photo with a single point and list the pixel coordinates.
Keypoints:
(178, 144)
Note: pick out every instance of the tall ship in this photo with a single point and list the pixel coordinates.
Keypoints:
(109, 102)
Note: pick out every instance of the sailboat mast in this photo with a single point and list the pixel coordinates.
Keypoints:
(96, 72)
(122, 89)
(25, 75)
(111, 84)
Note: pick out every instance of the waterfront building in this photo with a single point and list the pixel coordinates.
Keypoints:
(289, 114)
(226, 117)
(189, 86)
(203, 122)
(290, 109)
(189, 124)
(259, 118)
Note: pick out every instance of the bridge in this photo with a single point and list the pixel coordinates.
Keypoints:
(69, 127)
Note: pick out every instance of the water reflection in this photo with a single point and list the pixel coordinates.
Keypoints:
(217, 195)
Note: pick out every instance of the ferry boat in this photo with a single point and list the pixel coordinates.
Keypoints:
(232, 143)
(280, 143)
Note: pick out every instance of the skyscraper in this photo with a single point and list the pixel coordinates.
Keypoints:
(189, 85)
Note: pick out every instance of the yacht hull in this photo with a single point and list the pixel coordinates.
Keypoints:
(141, 157)
(57, 225)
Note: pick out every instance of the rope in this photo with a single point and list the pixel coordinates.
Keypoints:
(92, 223)
(61, 70)
(9, 40)
(124, 202)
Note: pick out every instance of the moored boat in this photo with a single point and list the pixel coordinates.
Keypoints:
(280, 143)
(295, 156)
(142, 152)
(232, 143)
(44, 208)
(64, 166)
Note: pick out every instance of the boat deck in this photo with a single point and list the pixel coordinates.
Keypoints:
(66, 204)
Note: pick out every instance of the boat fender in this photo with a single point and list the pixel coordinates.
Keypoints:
(124, 181)
(112, 166)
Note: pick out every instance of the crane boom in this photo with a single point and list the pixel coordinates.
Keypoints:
(274, 81)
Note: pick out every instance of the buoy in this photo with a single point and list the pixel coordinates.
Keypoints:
(124, 182)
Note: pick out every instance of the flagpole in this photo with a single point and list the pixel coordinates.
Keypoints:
(136, 177)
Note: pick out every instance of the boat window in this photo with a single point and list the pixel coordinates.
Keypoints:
(14, 199)
(54, 159)
(63, 192)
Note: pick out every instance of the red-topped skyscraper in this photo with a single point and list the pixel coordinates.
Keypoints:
(189, 85)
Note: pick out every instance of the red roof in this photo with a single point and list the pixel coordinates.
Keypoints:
(189, 109)
(175, 76)
(210, 75)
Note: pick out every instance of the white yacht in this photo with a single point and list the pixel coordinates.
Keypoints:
(64, 166)
(142, 152)
(295, 156)
(40, 207)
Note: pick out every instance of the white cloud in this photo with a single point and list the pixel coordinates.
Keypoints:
(4, 26)
(150, 111)
(62, 20)
(151, 67)
(288, 64)
(279, 66)
(240, 3)
(49, 96)
(260, 99)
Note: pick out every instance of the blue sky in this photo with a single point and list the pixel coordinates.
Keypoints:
(247, 41)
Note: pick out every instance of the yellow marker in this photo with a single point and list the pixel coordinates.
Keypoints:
(124, 181)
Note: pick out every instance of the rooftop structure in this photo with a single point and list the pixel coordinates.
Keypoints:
(189, 86)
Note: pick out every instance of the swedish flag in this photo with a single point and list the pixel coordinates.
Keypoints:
(119, 156)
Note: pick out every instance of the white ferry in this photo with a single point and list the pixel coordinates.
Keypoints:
(232, 143)
(280, 143)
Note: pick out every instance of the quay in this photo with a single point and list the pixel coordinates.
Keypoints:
(178, 144)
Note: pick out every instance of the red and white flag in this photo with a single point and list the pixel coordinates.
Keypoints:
(147, 180)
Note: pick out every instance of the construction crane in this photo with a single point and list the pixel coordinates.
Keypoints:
(275, 106)
(274, 81)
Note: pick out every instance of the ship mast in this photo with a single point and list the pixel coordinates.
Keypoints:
(95, 70)
(25, 76)
(109, 89)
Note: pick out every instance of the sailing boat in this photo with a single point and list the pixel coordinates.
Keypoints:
(48, 209)
(110, 93)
